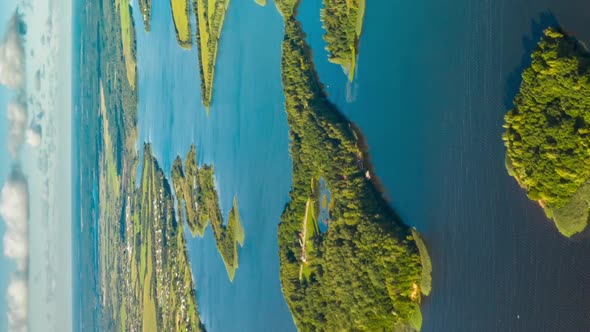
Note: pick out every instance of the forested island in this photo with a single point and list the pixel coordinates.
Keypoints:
(368, 271)
(343, 22)
(209, 15)
(547, 133)
(197, 197)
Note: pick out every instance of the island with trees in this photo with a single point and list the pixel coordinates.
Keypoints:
(367, 271)
(210, 15)
(198, 199)
(547, 133)
(343, 22)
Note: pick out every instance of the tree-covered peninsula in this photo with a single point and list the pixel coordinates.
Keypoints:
(145, 7)
(547, 133)
(343, 22)
(198, 199)
(209, 15)
(368, 270)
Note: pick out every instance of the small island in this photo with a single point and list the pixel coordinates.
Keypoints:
(343, 22)
(547, 133)
(367, 270)
(198, 199)
(209, 15)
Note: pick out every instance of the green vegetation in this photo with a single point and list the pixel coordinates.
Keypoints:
(128, 40)
(548, 132)
(343, 22)
(261, 2)
(144, 277)
(182, 23)
(426, 280)
(197, 197)
(209, 15)
(365, 272)
(145, 7)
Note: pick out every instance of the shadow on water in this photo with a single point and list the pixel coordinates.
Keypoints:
(529, 43)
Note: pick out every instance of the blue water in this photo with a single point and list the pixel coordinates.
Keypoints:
(245, 137)
(433, 83)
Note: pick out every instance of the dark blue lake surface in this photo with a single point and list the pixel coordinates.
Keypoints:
(434, 81)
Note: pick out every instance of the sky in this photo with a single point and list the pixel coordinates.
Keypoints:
(35, 165)
(7, 266)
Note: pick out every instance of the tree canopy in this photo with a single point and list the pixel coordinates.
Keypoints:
(547, 131)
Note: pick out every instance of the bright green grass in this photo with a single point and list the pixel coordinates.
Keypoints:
(572, 218)
(426, 280)
(149, 305)
(415, 320)
(126, 36)
(182, 24)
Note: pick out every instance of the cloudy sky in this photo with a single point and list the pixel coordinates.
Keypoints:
(35, 165)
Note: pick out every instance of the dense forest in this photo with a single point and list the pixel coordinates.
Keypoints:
(547, 133)
(343, 22)
(209, 17)
(366, 272)
(197, 197)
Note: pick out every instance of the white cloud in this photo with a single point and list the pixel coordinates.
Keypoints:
(17, 298)
(14, 210)
(12, 54)
(33, 136)
(17, 122)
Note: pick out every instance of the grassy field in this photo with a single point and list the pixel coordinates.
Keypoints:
(210, 15)
(149, 306)
(128, 38)
(182, 24)
(573, 217)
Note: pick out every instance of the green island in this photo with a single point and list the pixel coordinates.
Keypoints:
(209, 15)
(145, 7)
(368, 271)
(261, 2)
(182, 23)
(547, 133)
(343, 22)
(198, 199)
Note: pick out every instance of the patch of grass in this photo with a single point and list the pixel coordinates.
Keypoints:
(415, 320)
(149, 306)
(182, 24)
(210, 15)
(426, 280)
(261, 2)
(128, 38)
(572, 218)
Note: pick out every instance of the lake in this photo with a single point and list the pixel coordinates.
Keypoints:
(433, 84)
